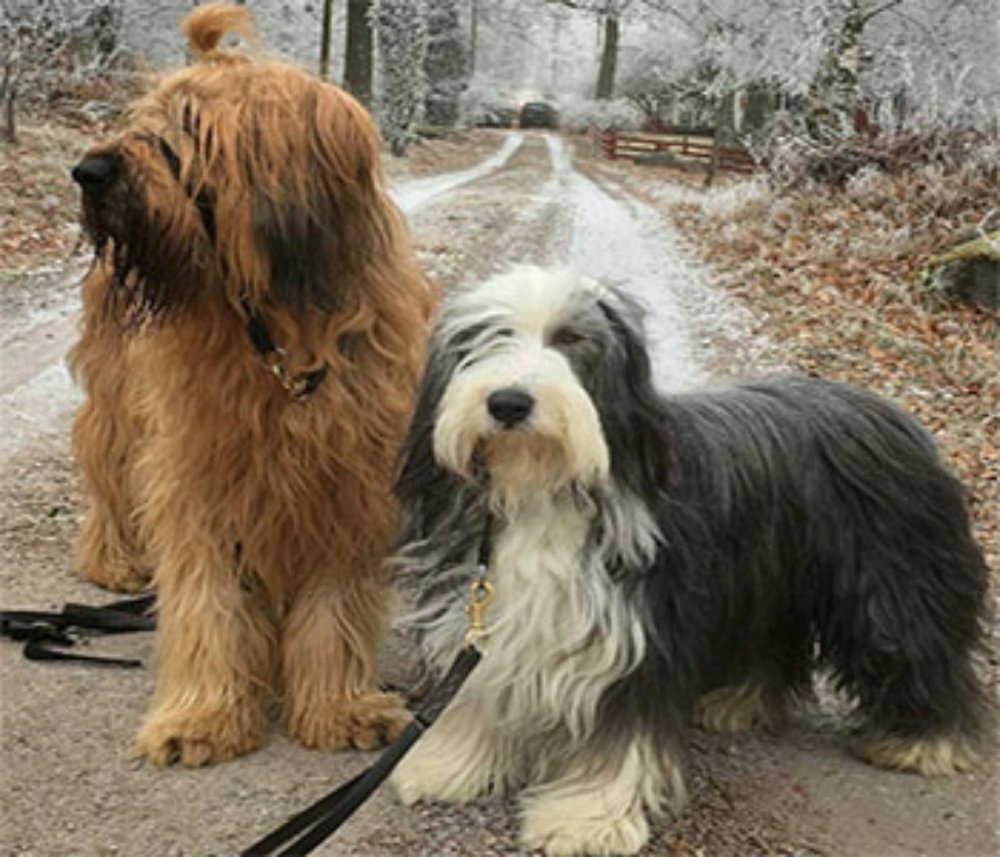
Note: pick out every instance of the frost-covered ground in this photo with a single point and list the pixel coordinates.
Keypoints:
(68, 787)
(36, 392)
(416, 193)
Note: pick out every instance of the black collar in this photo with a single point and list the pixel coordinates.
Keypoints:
(298, 386)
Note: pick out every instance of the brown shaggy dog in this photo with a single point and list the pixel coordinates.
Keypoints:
(253, 331)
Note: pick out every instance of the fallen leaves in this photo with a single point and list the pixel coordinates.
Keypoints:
(39, 204)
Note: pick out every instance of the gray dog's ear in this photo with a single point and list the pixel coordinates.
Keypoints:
(633, 417)
(426, 490)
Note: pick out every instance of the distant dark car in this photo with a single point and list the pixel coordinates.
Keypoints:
(538, 114)
(496, 117)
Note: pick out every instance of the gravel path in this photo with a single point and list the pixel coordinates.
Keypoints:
(68, 787)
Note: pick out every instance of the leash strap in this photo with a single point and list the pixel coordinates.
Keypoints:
(37, 650)
(318, 821)
(42, 630)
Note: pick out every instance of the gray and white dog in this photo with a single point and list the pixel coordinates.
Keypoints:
(658, 558)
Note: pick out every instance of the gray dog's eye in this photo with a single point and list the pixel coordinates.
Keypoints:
(565, 337)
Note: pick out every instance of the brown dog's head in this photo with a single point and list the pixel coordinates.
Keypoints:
(235, 178)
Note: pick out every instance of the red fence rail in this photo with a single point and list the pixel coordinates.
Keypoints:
(637, 145)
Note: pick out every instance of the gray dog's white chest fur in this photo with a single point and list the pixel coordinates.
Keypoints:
(556, 628)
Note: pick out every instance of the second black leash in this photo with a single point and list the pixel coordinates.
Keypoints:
(317, 822)
(47, 635)
(320, 820)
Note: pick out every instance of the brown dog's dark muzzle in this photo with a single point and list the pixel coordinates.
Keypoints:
(95, 174)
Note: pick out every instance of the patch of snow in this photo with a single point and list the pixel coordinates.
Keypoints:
(411, 195)
(37, 410)
(716, 200)
(628, 244)
(48, 307)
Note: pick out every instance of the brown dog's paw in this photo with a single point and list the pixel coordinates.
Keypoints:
(117, 578)
(116, 570)
(194, 737)
(110, 559)
(364, 722)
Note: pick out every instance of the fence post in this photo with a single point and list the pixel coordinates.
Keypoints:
(611, 145)
(713, 161)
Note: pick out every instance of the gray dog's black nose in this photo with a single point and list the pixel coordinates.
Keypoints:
(94, 174)
(510, 406)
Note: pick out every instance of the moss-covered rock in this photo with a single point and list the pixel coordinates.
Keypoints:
(969, 272)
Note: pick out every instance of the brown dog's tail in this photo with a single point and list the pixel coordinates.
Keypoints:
(206, 25)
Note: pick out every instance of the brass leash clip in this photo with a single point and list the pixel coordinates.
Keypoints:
(481, 595)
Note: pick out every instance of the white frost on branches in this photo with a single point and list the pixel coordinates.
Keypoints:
(401, 42)
(907, 63)
(903, 63)
(446, 62)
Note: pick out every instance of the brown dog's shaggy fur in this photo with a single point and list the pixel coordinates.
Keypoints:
(245, 196)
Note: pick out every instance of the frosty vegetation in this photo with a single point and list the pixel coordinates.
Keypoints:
(822, 69)
(401, 40)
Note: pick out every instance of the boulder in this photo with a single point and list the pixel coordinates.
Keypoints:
(969, 272)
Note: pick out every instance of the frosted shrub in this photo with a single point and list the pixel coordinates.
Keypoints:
(579, 115)
(400, 29)
(483, 100)
(871, 187)
(730, 200)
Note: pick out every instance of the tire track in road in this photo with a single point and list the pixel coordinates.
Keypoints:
(695, 330)
(414, 194)
(494, 221)
(541, 209)
(36, 391)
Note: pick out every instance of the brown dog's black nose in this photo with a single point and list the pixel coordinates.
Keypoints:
(510, 406)
(95, 174)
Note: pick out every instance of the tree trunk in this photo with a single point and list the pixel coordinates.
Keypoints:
(8, 96)
(10, 120)
(358, 56)
(609, 60)
(326, 36)
(473, 36)
(834, 95)
(446, 63)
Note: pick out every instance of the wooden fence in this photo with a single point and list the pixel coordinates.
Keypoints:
(685, 146)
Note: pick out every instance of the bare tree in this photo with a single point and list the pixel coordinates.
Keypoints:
(400, 27)
(48, 43)
(446, 62)
(609, 13)
(358, 53)
(9, 83)
(834, 94)
(839, 66)
(326, 37)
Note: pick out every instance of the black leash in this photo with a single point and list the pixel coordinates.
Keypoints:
(43, 632)
(319, 821)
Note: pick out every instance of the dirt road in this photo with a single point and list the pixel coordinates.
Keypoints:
(68, 786)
